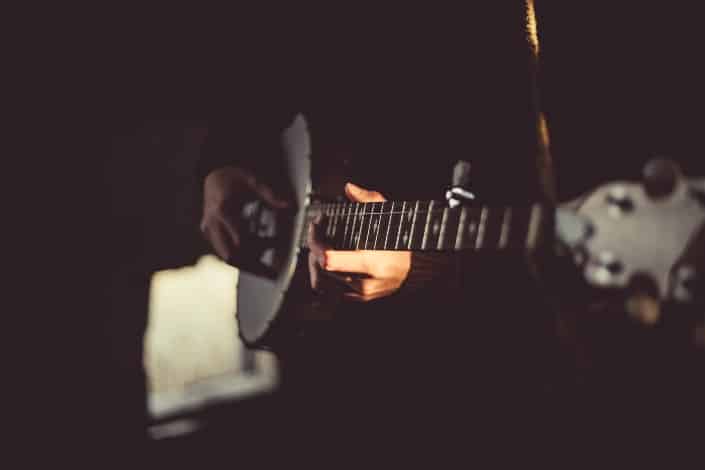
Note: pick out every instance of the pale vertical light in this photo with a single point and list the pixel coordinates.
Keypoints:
(545, 161)
(532, 27)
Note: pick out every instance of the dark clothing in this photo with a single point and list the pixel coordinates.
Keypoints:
(400, 108)
(396, 112)
(402, 119)
(619, 83)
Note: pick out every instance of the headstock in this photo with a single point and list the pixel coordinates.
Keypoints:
(643, 239)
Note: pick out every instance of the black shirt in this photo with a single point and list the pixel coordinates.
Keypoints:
(398, 102)
(398, 107)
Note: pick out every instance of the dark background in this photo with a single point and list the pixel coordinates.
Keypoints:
(620, 82)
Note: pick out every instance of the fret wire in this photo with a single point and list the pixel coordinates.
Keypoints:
(401, 220)
(389, 225)
(413, 224)
(352, 229)
(343, 226)
(347, 224)
(461, 228)
(506, 221)
(339, 212)
(379, 223)
(362, 215)
(534, 222)
(306, 227)
(427, 226)
(481, 228)
(339, 218)
(362, 221)
(371, 216)
(333, 211)
(330, 216)
(441, 235)
(351, 215)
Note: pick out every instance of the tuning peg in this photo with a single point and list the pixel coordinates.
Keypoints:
(461, 174)
(604, 269)
(460, 192)
(661, 177)
(643, 308)
(643, 303)
(684, 282)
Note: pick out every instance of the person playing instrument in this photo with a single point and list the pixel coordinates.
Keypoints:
(394, 118)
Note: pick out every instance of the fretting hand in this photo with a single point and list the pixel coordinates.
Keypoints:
(370, 274)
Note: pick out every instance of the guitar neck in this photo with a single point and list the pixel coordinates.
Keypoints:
(427, 226)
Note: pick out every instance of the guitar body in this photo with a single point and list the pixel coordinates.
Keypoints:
(260, 298)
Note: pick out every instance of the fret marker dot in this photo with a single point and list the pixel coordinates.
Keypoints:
(436, 227)
(472, 227)
(405, 238)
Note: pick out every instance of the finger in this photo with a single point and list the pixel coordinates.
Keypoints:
(373, 286)
(268, 196)
(313, 270)
(231, 232)
(217, 237)
(343, 261)
(358, 194)
(322, 281)
(315, 244)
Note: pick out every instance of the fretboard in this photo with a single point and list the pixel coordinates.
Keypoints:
(425, 226)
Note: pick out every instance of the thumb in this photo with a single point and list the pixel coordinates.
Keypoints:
(357, 194)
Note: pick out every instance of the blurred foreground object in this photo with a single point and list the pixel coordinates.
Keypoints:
(193, 356)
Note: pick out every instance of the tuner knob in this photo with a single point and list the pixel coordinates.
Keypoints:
(460, 192)
(661, 176)
(644, 308)
(461, 175)
(572, 229)
(685, 279)
(619, 201)
(643, 303)
(605, 269)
